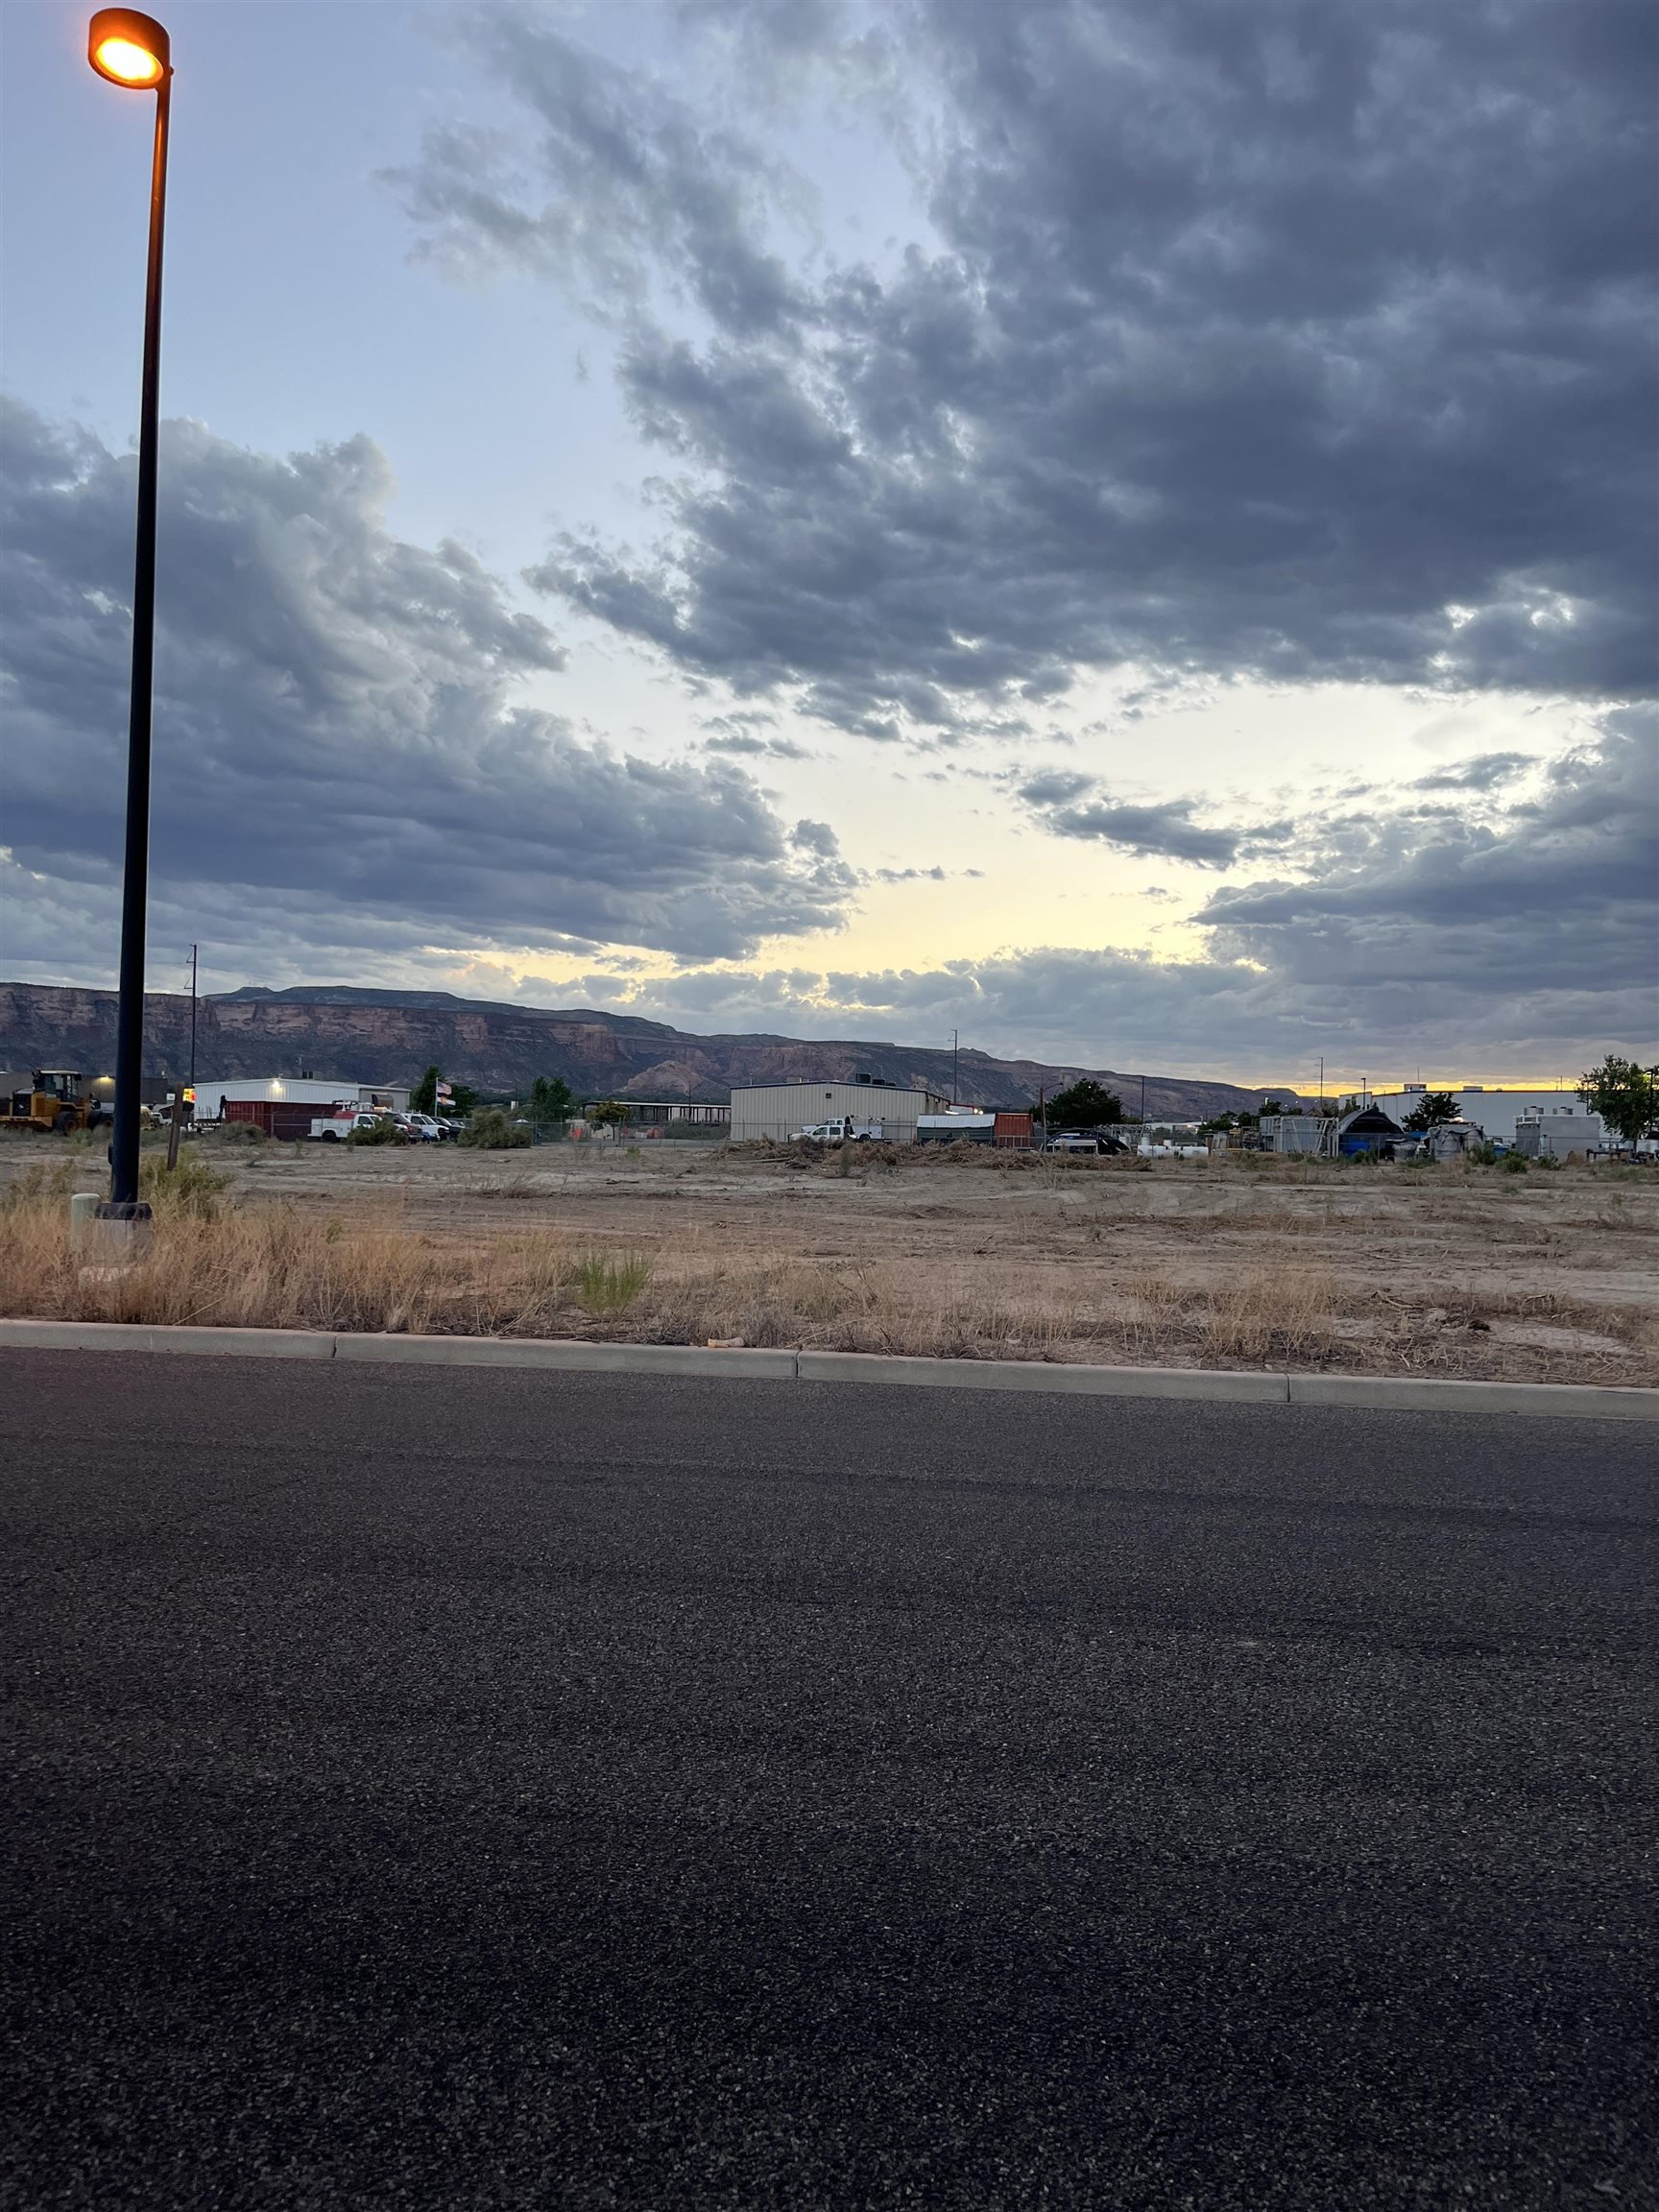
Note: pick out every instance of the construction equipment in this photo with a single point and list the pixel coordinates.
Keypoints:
(54, 1103)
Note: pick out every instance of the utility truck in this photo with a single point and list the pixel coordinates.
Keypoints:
(846, 1131)
(335, 1128)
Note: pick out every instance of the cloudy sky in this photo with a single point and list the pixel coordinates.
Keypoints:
(1121, 526)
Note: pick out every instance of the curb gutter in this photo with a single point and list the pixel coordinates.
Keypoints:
(1578, 1401)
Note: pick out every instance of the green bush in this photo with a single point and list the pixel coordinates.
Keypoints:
(1514, 1164)
(191, 1187)
(493, 1130)
(382, 1130)
(243, 1133)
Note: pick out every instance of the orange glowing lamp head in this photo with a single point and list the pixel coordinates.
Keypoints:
(129, 49)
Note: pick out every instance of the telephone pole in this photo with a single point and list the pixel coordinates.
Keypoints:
(192, 1017)
(953, 1063)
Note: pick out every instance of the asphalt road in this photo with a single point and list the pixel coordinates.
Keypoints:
(444, 1787)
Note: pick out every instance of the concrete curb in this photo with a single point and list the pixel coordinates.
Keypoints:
(1241, 1384)
(1574, 1401)
(147, 1336)
(747, 1362)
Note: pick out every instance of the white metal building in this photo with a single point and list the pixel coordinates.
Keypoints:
(1494, 1112)
(777, 1110)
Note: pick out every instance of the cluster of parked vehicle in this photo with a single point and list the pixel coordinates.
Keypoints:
(415, 1128)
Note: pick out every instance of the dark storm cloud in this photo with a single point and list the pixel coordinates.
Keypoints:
(1310, 338)
(335, 732)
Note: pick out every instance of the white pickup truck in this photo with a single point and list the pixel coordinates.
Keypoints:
(832, 1133)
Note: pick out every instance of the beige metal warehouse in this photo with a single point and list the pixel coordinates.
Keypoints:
(777, 1110)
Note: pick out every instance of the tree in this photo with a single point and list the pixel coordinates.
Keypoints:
(608, 1110)
(551, 1099)
(423, 1098)
(1624, 1092)
(1084, 1105)
(1433, 1108)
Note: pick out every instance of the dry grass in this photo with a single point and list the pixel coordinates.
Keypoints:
(989, 1257)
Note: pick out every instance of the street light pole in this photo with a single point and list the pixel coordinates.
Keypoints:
(133, 50)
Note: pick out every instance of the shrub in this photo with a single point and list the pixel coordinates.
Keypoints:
(493, 1130)
(1514, 1164)
(382, 1130)
(191, 1187)
(243, 1133)
(609, 1284)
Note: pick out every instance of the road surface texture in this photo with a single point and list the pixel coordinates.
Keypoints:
(445, 1788)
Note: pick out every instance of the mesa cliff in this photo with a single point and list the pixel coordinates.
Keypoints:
(393, 1036)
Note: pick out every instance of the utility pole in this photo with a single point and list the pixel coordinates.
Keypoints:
(953, 1063)
(1143, 1102)
(1321, 1082)
(192, 1017)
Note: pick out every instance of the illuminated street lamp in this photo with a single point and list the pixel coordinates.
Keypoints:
(133, 51)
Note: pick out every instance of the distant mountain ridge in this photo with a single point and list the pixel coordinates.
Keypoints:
(361, 1034)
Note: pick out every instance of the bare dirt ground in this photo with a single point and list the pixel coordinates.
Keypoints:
(1242, 1261)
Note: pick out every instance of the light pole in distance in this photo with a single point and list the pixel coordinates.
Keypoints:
(135, 52)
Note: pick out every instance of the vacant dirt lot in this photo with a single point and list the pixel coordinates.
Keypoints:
(1237, 1261)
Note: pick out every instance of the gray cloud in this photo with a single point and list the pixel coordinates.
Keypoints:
(1304, 341)
(1485, 772)
(629, 183)
(1561, 893)
(1528, 941)
(1170, 827)
(335, 725)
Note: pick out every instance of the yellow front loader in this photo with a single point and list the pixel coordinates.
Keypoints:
(54, 1103)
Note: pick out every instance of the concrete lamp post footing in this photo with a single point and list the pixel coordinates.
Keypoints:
(106, 1233)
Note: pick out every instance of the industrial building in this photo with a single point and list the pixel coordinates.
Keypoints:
(284, 1106)
(1494, 1112)
(778, 1110)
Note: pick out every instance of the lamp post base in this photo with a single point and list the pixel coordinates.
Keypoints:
(110, 1234)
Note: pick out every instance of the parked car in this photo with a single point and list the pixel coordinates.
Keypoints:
(425, 1126)
(1086, 1141)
